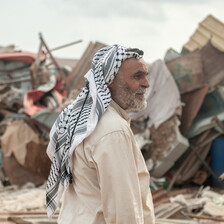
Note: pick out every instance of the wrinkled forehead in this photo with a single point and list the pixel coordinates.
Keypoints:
(134, 64)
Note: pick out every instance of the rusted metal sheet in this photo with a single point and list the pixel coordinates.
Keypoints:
(187, 71)
(76, 78)
(213, 64)
(193, 101)
(25, 57)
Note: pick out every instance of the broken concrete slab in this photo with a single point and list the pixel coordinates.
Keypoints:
(167, 146)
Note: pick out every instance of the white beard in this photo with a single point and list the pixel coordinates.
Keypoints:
(127, 99)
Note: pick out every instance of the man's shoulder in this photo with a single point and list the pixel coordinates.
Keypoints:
(112, 120)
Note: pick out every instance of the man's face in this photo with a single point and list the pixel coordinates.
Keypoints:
(129, 86)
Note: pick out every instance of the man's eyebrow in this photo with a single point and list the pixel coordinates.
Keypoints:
(139, 72)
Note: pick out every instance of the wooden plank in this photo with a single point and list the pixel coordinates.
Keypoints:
(175, 221)
(4, 219)
(206, 217)
(33, 219)
(167, 210)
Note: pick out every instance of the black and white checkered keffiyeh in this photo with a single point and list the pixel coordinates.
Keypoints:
(79, 119)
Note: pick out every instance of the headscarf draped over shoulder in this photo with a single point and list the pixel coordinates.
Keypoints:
(78, 120)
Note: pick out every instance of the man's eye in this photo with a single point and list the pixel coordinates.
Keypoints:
(137, 77)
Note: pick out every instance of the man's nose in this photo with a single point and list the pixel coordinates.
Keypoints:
(145, 82)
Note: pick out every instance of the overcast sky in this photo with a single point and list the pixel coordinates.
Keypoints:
(153, 26)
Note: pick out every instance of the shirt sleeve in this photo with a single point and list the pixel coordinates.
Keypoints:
(118, 179)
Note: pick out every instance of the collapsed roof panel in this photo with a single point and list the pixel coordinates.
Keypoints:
(209, 29)
(26, 57)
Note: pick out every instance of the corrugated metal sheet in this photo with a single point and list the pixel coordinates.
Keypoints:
(209, 29)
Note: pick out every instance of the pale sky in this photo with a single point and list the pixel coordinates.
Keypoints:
(153, 26)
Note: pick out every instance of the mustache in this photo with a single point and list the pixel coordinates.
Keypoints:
(141, 90)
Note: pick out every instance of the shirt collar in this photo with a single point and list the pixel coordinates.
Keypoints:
(120, 111)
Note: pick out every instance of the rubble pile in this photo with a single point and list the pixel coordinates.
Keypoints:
(188, 206)
(184, 115)
(180, 133)
(32, 90)
(24, 204)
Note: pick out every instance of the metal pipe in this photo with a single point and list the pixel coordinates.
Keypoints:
(52, 58)
(207, 166)
(66, 45)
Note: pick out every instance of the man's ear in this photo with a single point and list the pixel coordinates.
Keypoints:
(111, 85)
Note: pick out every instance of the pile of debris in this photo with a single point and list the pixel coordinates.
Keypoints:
(180, 133)
(188, 205)
(24, 204)
(184, 117)
(32, 92)
(34, 89)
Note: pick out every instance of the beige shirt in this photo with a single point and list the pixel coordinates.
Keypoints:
(110, 178)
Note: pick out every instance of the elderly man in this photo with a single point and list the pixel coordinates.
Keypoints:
(95, 159)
